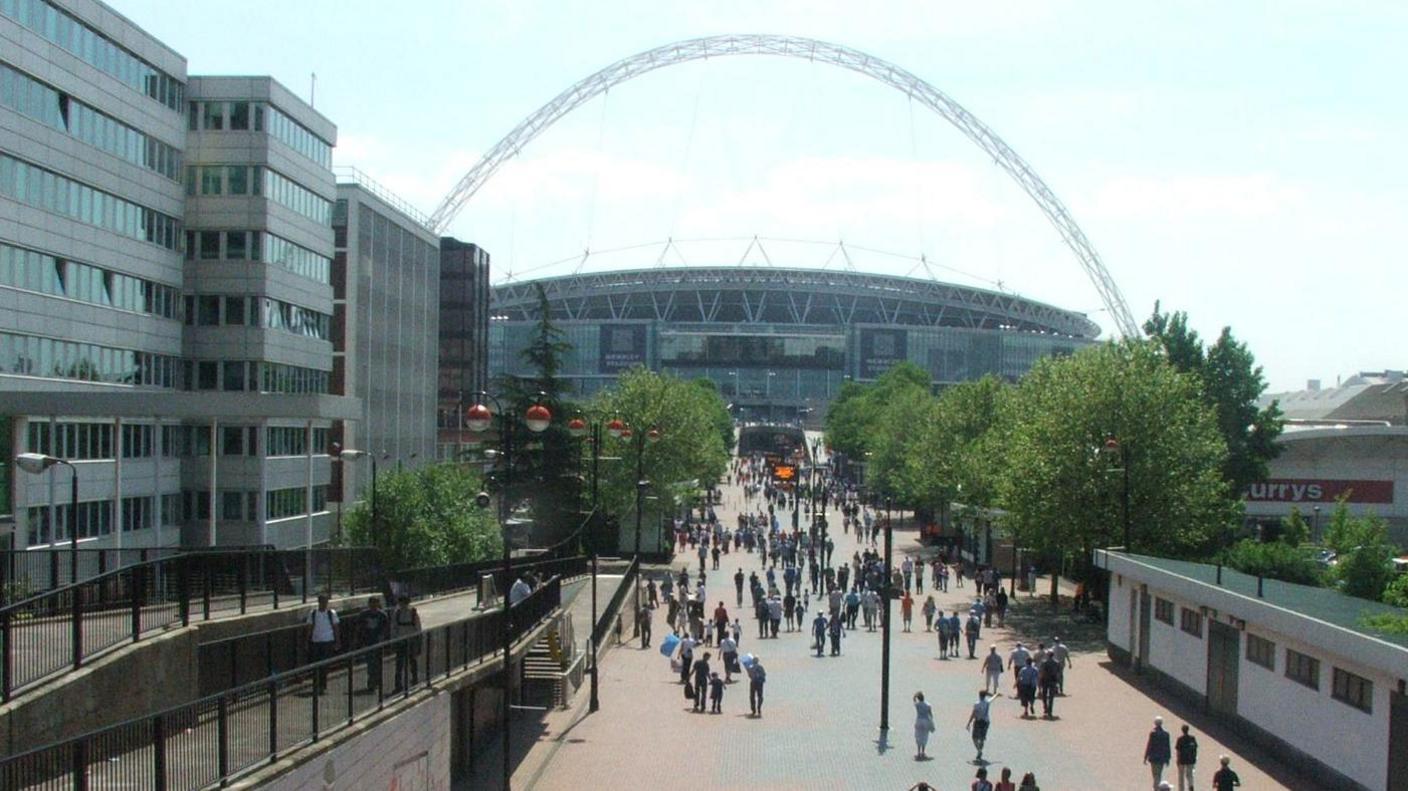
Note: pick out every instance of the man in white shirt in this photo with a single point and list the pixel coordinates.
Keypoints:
(992, 671)
(686, 657)
(729, 649)
(1063, 661)
(1017, 659)
(322, 637)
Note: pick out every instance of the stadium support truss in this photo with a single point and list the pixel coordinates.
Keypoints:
(812, 50)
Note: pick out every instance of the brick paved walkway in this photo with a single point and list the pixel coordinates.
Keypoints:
(820, 721)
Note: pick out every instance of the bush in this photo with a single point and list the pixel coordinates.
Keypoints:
(1396, 592)
(1387, 622)
(1273, 559)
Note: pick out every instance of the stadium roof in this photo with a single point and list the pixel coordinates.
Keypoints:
(780, 296)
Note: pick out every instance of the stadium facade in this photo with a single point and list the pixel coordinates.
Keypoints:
(778, 342)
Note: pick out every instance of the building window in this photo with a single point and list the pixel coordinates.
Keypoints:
(1191, 621)
(1261, 651)
(1163, 610)
(1303, 669)
(1355, 690)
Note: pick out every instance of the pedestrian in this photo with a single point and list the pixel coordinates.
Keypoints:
(757, 677)
(405, 626)
(942, 628)
(375, 628)
(992, 671)
(819, 632)
(989, 607)
(1225, 779)
(1063, 661)
(1186, 752)
(1157, 751)
(738, 585)
(686, 656)
(907, 610)
(929, 609)
(1028, 783)
(716, 694)
(728, 651)
(643, 625)
(1016, 660)
(1001, 607)
(1026, 687)
(923, 725)
(1005, 782)
(324, 631)
(980, 781)
(837, 628)
(979, 719)
(1046, 685)
(971, 631)
(701, 681)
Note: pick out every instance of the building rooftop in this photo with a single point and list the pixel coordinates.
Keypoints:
(1322, 604)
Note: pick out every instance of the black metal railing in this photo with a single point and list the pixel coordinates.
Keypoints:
(602, 627)
(212, 740)
(54, 632)
(25, 573)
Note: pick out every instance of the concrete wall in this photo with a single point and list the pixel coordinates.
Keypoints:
(408, 752)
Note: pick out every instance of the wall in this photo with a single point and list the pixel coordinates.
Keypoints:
(408, 752)
(1183, 656)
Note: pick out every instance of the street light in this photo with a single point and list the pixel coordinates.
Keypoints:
(578, 428)
(1113, 448)
(352, 454)
(621, 430)
(887, 591)
(36, 463)
(479, 418)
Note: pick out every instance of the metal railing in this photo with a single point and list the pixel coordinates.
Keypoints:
(212, 740)
(46, 635)
(28, 572)
(613, 608)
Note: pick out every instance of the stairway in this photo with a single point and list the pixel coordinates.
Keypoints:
(545, 666)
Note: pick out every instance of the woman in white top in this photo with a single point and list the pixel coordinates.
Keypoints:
(923, 725)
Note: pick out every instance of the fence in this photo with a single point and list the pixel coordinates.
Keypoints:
(28, 572)
(211, 740)
(234, 661)
(604, 622)
(49, 634)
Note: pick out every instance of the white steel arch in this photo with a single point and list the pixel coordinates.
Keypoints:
(813, 50)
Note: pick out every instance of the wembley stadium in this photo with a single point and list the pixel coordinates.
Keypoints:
(778, 342)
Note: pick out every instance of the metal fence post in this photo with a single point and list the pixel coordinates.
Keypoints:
(137, 588)
(183, 589)
(76, 617)
(207, 582)
(222, 738)
(53, 570)
(350, 704)
(274, 718)
(315, 703)
(159, 752)
(8, 679)
(242, 580)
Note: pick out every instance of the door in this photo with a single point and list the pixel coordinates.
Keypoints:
(1224, 656)
(1143, 655)
(1398, 740)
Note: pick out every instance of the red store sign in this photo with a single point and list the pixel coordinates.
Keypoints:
(1305, 490)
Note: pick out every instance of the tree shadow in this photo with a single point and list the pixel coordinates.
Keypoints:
(1032, 621)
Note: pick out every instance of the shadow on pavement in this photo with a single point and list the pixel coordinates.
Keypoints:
(1033, 621)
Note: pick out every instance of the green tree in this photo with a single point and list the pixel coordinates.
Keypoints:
(1396, 591)
(689, 453)
(723, 421)
(1063, 494)
(1294, 530)
(856, 421)
(1364, 557)
(426, 517)
(1274, 559)
(1230, 382)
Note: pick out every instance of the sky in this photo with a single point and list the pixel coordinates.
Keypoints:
(1242, 162)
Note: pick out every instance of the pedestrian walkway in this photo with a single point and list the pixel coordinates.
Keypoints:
(819, 727)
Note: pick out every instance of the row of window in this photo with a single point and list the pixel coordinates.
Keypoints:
(223, 180)
(246, 115)
(258, 246)
(1348, 688)
(209, 310)
(284, 190)
(292, 441)
(284, 503)
(91, 46)
(35, 271)
(29, 355)
(45, 189)
(49, 105)
(94, 519)
(251, 375)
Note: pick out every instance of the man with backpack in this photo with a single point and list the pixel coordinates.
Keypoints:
(323, 636)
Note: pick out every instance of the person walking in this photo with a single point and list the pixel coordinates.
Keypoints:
(324, 631)
(1186, 752)
(979, 719)
(716, 694)
(1005, 783)
(643, 625)
(1157, 751)
(923, 726)
(992, 671)
(701, 682)
(1026, 688)
(1063, 661)
(738, 585)
(1046, 684)
(929, 609)
(819, 632)
(405, 626)
(1028, 783)
(837, 628)
(1224, 779)
(728, 653)
(375, 628)
(686, 656)
(980, 781)
(907, 610)
(972, 630)
(757, 677)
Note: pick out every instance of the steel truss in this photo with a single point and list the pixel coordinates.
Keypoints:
(813, 50)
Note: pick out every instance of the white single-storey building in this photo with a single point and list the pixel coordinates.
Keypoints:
(1288, 665)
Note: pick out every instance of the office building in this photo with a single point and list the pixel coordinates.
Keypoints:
(464, 337)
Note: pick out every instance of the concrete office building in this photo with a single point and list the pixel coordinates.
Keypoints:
(1288, 666)
(386, 281)
(165, 290)
(464, 337)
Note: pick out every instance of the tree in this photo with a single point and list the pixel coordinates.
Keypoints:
(1396, 591)
(1294, 530)
(426, 517)
(723, 421)
(1275, 559)
(1364, 563)
(857, 418)
(689, 453)
(1062, 494)
(1230, 382)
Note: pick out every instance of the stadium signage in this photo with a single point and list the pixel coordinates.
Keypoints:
(1311, 490)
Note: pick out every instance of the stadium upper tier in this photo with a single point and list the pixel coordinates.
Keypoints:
(781, 297)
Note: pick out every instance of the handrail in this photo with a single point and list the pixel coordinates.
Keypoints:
(57, 631)
(47, 568)
(219, 737)
(613, 608)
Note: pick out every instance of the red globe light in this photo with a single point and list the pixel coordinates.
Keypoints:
(577, 427)
(478, 418)
(653, 434)
(616, 427)
(538, 418)
(626, 433)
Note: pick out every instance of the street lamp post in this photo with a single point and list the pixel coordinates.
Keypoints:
(886, 593)
(1114, 447)
(35, 463)
(578, 428)
(479, 418)
(352, 454)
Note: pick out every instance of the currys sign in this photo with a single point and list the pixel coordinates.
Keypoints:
(1304, 490)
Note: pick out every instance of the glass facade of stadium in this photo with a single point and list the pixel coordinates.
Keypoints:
(778, 342)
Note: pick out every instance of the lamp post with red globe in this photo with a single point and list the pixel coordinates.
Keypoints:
(479, 418)
(1114, 449)
(579, 428)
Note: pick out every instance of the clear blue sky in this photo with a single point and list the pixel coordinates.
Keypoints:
(1240, 161)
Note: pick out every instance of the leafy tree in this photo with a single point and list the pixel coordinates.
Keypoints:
(689, 452)
(1396, 591)
(1062, 494)
(1294, 530)
(949, 453)
(723, 421)
(856, 420)
(1274, 559)
(1230, 382)
(426, 517)
(1364, 567)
